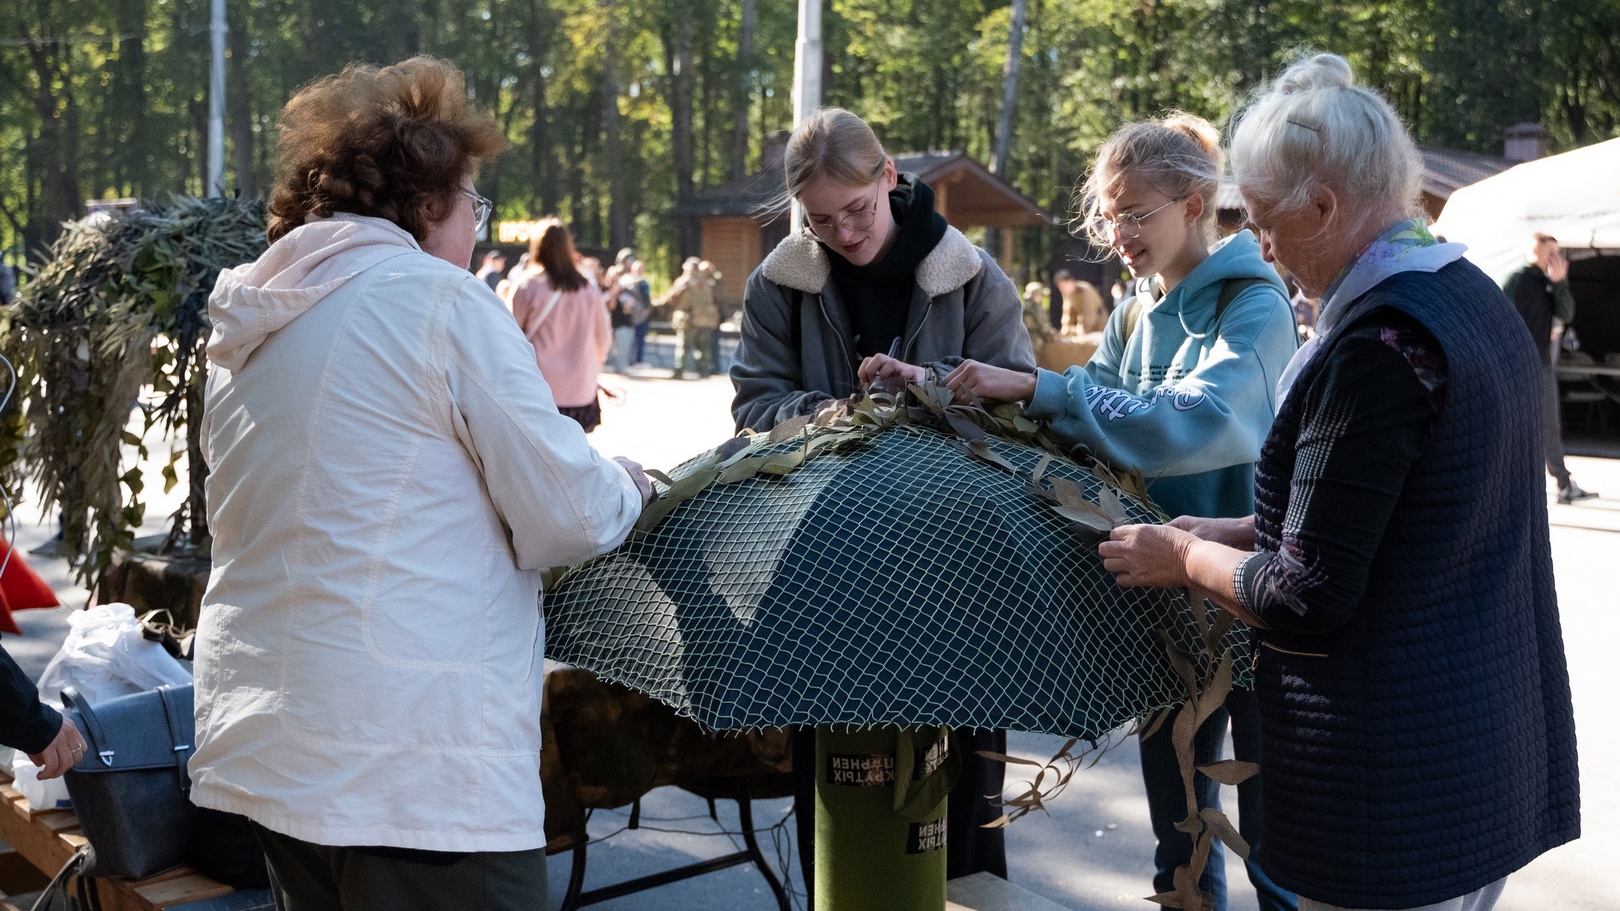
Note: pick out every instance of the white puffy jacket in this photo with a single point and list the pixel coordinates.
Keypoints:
(389, 476)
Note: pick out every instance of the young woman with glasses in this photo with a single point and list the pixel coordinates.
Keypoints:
(875, 270)
(1182, 388)
(875, 266)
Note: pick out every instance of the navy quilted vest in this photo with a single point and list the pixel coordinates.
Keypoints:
(1427, 747)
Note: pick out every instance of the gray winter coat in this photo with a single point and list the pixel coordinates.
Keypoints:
(963, 307)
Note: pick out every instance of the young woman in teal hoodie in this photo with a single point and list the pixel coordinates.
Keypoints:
(1182, 388)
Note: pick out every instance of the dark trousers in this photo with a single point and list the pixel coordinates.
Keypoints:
(310, 877)
(969, 848)
(640, 356)
(1552, 431)
(1167, 802)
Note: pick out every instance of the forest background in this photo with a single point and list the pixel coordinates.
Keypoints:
(618, 109)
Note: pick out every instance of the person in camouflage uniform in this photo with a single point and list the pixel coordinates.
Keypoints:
(695, 298)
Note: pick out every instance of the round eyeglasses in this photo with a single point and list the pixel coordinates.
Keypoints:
(1126, 225)
(826, 226)
(482, 209)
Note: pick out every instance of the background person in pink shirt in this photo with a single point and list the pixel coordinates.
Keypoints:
(564, 315)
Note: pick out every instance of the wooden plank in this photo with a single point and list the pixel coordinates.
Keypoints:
(11, 795)
(192, 888)
(117, 895)
(172, 873)
(54, 821)
(47, 839)
(18, 875)
(39, 845)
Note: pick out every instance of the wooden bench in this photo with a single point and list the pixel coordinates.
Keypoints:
(48, 838)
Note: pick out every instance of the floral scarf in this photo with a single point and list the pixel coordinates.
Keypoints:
(1406, 246)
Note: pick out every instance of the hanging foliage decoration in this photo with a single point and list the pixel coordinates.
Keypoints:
(120, 307)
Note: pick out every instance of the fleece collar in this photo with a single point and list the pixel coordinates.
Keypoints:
(800, 262)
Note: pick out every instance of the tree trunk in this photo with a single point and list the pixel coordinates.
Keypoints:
(543, 185)
(130, 98)
(403, 36)
(1009, 89)
(679, 55)
(618, 206)
(1009, 101)
(742, 94)
(707, 103)
(238, 100)
(59, 178)
(587, 213)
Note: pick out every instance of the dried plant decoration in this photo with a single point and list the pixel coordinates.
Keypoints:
(113, 325)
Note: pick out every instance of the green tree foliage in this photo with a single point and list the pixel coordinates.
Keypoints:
(108, 98)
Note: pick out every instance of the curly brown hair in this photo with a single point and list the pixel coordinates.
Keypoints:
(392, 142)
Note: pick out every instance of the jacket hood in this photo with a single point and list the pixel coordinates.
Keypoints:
(313, 260)
(800, 262)
(1237, 256)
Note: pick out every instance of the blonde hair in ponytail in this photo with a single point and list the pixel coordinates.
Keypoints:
(831, 143)
(1178, 154)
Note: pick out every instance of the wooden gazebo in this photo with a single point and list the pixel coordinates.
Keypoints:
(738, 225)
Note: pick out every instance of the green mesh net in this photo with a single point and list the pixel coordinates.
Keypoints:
(895, 578)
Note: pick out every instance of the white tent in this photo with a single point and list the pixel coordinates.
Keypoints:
(1575, 197)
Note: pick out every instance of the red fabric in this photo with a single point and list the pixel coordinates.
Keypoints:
(20, 589)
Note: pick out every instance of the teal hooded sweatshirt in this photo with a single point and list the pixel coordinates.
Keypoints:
(1185, 401)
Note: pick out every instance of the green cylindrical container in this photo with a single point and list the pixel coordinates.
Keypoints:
(880, 818)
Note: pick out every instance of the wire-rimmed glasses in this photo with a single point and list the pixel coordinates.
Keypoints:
(1126, 225)
(482, 209)
(826, 226)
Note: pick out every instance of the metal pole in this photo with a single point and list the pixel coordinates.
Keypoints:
(806, 75)
(216, 103)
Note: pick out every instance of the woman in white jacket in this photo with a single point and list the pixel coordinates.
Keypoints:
(389, 477)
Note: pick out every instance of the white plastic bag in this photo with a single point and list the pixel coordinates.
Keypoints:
(105, 656)
(42, 795)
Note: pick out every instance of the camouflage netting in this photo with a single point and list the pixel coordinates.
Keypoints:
(880, 570)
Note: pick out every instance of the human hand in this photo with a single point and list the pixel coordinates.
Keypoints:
(1557, 266)
(1234, 533)
(643, 483)
(1147, 555)
(61, 754)
(890, 370)
(984, 381)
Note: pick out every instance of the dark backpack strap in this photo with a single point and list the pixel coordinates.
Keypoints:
(1133, 314)
(1230, 289)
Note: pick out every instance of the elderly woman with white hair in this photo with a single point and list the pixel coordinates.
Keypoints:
(1419, 738)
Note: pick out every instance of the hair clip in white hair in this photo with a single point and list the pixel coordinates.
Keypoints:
(1306, 126)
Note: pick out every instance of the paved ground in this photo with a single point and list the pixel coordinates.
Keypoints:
(1093, 851)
